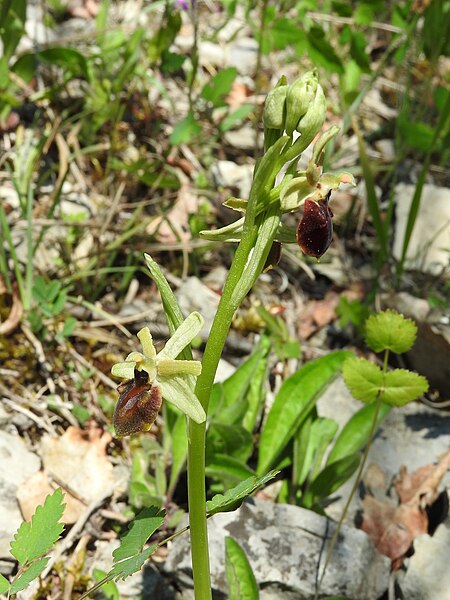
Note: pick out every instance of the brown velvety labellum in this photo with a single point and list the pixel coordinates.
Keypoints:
(315, 230)
(138, 405)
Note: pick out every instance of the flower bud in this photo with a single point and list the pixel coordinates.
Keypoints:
(275, 108)
(299, 97)
(311, 123)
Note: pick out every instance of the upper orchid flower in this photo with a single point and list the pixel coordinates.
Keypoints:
(152, 377)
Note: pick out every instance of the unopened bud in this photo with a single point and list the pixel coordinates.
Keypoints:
(299, 97)
(275, 108)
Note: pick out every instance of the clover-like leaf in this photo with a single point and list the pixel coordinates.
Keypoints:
(363, 378)
(389, 330)
(403, 386)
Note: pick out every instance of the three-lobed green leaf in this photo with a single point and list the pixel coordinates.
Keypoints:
(389, 330)
(366, 381)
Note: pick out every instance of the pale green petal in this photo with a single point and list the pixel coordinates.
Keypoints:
(178, 391)
(170, 368)
(145, 337)
(183, 336)
(124, 370)
(136, 357)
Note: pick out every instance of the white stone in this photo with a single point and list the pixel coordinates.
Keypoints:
(429, 245)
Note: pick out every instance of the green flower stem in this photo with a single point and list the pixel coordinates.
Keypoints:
(258, 236)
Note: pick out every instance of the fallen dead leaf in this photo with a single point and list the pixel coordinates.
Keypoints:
(16, 312)
(393, 528)
(317, 314)
(77, 462)
(238, 95)
(175, 226)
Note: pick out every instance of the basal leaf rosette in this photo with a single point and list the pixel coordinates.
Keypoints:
(151, 377)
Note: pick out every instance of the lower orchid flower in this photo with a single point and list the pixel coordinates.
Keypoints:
(151, 377)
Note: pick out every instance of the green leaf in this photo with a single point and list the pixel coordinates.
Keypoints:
(219, 86)
(241, 580)
(131, 565)
(4, 584)
(35, 538)
(358, 51)
(139, 530)
(233, 440)
(223, 467)
(355, 432)
(294, 401)
(234, 497)
(388, 330)
(69, 59)
(243, 387)
(236, 116)
(284, 31)
(333, 476)
(363, 378)
(109, 589)
(27, 576)
(366, 381)
(185, 131)
(322, 52)
(402, 386)
(179, 446)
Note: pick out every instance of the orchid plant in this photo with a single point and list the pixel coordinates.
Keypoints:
(293, 117)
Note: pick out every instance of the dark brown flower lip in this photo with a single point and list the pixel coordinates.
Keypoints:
(138, 405)
(315, 230)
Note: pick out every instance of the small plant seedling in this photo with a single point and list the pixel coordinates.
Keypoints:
(32, 541)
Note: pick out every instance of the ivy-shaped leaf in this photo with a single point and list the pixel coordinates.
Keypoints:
(366, 381)
(402, 386)
(388, 330)
(363, 378)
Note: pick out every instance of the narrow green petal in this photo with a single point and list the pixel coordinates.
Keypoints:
(124, 370)
(145, 337)
(178, 391)
(183, 336)
(170, 368)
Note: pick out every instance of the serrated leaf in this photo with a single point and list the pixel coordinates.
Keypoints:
(233, 498)
(36, 537)
(131, 565)
(4, 584)
(402, 386)
(27, 576)
(140, 529)
(363, 378)
(389, 330)
(294, 401)
(241, 580)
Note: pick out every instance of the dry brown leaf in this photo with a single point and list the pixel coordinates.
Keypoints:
(16, 312)
(77, 462)
(238, 95)
(393, 528)
(317, 314)
(175, 226)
